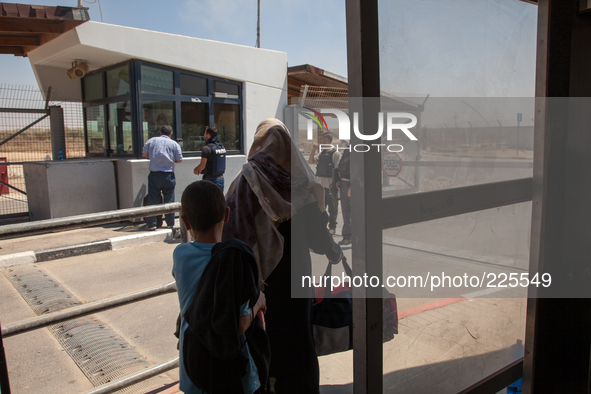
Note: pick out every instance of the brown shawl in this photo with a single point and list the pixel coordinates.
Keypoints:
(274, 184)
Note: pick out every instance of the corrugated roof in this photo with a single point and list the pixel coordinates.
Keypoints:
(24, 27)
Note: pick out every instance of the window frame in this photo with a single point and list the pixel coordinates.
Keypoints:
(106, 101)
(137, 97)
(210, 100)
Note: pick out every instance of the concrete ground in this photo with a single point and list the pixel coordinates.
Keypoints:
(72, 237)
(443, 345)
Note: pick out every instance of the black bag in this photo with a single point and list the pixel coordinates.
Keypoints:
(332, 316)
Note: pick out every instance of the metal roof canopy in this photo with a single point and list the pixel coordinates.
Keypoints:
(332, 86)
(306, 74)
(24, 27)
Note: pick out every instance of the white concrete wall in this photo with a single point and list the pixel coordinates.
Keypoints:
(37, 190)
(132, 178)
(59, 189)
(261, 102)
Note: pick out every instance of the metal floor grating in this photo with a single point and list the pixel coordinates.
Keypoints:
(100, 353)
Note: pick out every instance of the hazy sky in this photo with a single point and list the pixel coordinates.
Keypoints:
(478, 48)
(308, 31)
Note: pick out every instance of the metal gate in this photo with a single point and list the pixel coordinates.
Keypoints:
(25, 135)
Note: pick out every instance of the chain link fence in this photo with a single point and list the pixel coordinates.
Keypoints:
(25, 135)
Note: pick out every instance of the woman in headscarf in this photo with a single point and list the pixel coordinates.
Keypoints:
(276, 206)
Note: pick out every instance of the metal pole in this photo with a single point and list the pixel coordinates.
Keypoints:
(135, 378)
(500, 134)
(258, 23)
(560, 205)
(57, 131)
(517, 154)
(12, 187)
(93, 219)
(366, 195)
(86, 309)
(304, 94)
(4, 382)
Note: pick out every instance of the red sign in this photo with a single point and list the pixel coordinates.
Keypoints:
(3, 176)
(391, 164)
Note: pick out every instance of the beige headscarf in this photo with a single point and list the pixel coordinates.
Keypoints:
(274, 184)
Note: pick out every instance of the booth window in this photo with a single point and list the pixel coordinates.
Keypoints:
(127, 103)
(95, 131)
(194, 119)
(120, 131)
(118, 81)
(157, 81)
(156, 114)
(109, 112)
(227, 121)
(224, 89)
(193, 86)
(193, 101)
(93, 87)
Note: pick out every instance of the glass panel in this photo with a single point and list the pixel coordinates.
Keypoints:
(120, 131)
(157, 81)
(93, 87)
(156, 114)
(118, 81)
(230, 89)
(194, 118)
(460, 142)
(442, 338)
(466, 71)
(457, 49)
(227, 122)
(95, 131)
(193, 86)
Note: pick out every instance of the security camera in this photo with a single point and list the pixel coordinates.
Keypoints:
(78, 70)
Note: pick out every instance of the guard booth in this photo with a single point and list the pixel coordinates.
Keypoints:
(132, 81)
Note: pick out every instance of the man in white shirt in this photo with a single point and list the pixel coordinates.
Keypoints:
(163, 153)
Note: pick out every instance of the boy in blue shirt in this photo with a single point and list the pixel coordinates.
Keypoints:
(204, 212)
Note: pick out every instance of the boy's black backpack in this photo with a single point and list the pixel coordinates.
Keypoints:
(212, 350)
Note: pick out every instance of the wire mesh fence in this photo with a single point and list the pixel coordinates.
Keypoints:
(25, 135)
(319, 97)
(74, 129)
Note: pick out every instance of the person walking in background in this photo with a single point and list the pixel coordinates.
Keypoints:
(277, 207)
(163, 153)
(213, 158)
(326, 161)
(345, 192)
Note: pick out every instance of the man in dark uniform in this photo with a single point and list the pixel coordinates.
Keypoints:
(327, 160)
(213, 158)
(345, 193)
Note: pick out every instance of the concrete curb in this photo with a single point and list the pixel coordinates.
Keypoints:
(38, 256)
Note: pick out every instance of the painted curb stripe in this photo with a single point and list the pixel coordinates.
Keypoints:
(74, 250)
(61, 252)
(430, 306)
(12, 260)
